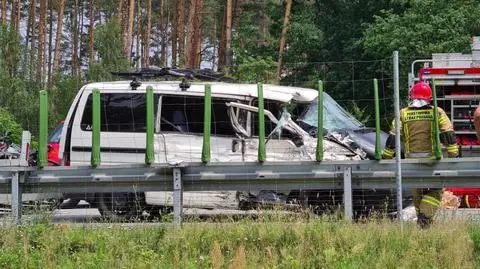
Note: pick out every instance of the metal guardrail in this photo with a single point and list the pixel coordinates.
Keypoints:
(346, 175)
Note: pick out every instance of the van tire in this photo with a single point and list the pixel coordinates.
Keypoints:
(120, 205)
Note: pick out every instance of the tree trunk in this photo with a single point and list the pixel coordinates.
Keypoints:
(228, 35)
(163, 35)
(131, 13)
(214, 38)
(124, 26)
(120, 12)
(58, 37)
(75, 37)
(181, 32)
(146, 37)
(30, 23)
(284, 36)
(4, 11)
(80, 32)
(50, 41)
(139, 34)
(197, 52)
(174, 33)
(45, 46)
(32, 42)
(223, 42)
(41, 39)
(15, 22)
(190, 51)
(91, 26)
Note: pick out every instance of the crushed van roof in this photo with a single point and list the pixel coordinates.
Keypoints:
(272, 92)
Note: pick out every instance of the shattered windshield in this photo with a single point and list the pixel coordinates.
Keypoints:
(335, 117)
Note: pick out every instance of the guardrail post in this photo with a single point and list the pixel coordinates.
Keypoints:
(347, 193)
(24, 154)
(378, 146)
(319, 152)
(207, 117)
(95, 157)
(149, 151)
(261, 125)
(398, 145)
(438, 150)
(43, 130)
(177, 197)
(16, 198)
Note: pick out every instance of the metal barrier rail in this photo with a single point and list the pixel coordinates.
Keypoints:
(365, 174)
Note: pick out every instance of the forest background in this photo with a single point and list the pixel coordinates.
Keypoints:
(60, 45)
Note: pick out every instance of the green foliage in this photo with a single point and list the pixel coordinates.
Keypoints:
(8, 124)
(9, 50)
(107, 44)
(61, 97)
(361, 114)
(250, 244)
(256, 69)
(425, 27)
(20, 102)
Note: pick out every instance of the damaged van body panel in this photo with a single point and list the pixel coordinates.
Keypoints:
(341, 125)
(185, 148)
(178, 133)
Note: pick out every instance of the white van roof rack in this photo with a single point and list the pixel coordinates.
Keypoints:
(184, 73)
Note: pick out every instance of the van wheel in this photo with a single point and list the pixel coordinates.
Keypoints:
(119, 205)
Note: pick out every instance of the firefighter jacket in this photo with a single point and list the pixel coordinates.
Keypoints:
(417, 133)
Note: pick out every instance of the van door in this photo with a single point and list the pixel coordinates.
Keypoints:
(181, 123)
(123, 126)
(284, 139)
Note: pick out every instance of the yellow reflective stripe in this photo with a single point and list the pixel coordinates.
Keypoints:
(405, 134)
(432, 136)
(415, 114)
(431, 200)
(442, 119)
(466, 201)
(388, 153)
(452, 149)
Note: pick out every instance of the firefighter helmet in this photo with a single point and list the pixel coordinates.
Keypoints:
(421, 90)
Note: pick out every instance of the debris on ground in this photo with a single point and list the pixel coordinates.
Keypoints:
(450, 200)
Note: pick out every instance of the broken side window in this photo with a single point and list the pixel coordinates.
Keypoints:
(276, 108)
(184, 114)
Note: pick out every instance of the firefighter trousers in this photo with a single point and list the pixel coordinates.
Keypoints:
(427, 201)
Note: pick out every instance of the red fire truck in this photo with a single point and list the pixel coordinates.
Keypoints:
(457, 77)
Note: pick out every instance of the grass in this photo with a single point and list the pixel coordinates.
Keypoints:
(272, 243)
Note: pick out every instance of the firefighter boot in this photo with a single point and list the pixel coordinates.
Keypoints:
(423, 221)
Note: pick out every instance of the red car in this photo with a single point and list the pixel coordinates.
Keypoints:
(53, 141)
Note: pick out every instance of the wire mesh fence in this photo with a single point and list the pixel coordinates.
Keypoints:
(290, 126)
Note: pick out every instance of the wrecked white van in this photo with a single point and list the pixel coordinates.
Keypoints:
(179, 130)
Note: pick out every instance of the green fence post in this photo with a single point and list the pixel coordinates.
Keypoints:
(261, 125)
(438, 150)
(207, 118)
(42, 138)
(378, 146)
(319, 152)
(95, 157)
(149, 151)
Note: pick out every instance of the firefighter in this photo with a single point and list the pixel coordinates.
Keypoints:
(417, 136)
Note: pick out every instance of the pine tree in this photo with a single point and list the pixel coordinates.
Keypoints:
(91, 27)
(41, 40)
(284, 36)
(58, 37)
(181, 32)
